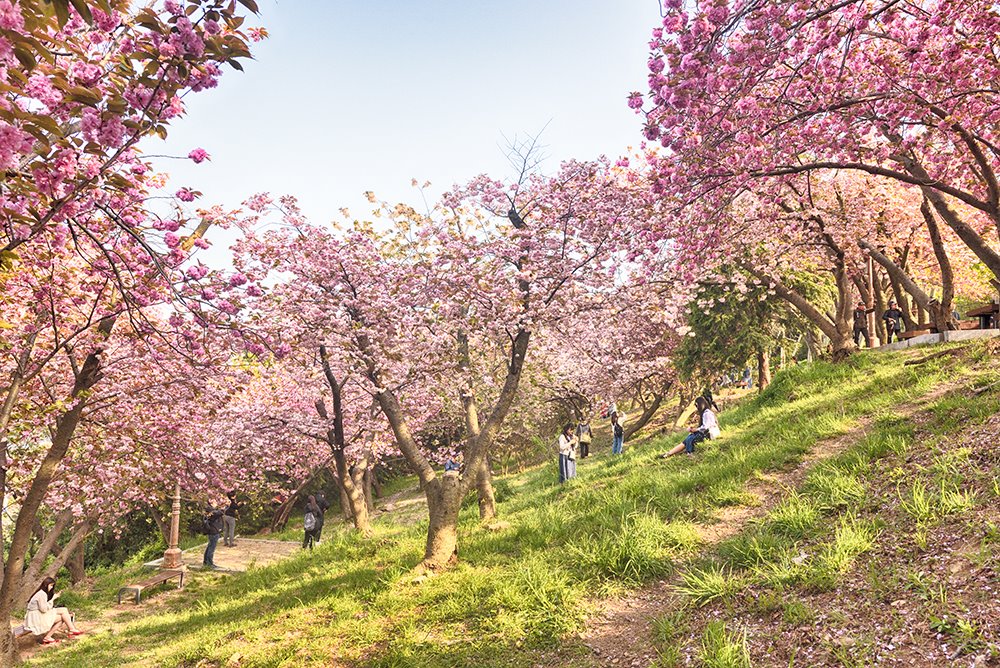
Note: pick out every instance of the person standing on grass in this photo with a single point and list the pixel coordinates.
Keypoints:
(584, 436)
(323, 506)
(309, 522)
(213, 527)
(861, 312)
(567, 454)
(229, 520)
(617, 433)
(893, 319)
(42, 617)
(708, 427)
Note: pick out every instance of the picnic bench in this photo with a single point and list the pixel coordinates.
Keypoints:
(988, 315)
(161, 577)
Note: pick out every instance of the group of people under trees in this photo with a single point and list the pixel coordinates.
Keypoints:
(580, 437)
(892, 317)
(220, 522)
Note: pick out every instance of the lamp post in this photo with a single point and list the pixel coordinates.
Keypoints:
(172, 556)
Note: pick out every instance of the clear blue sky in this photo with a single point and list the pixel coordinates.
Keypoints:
(354, 95)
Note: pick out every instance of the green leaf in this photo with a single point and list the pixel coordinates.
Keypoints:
(84, 10)
(25, 57)
(62, 11)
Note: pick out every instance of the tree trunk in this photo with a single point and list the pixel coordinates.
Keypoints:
(337, 440)
(484, 489)
(976, 243)
(368, 487)
(66, 424)
(345, 503)
(836, 328)
(358, 504)
(161, 523)
(444, 500)
(941, 317)
(763, 370)
(880, 308)
(904, 303)
(75, 564)
(651, 408)
(35, 573)
(284, 511)
(941, 313)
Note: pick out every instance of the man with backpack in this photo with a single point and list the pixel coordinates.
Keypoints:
(309, 522)
(212, 525)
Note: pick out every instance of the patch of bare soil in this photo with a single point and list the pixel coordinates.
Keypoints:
(622, 632)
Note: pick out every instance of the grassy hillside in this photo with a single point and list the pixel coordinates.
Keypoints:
(523, 591)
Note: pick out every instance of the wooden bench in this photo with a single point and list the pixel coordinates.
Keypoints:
(161, 577)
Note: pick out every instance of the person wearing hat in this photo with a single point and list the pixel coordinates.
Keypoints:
(893, 319)
(861, 312)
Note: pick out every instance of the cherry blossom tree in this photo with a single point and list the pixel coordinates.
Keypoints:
(420, 310)
(747, 91)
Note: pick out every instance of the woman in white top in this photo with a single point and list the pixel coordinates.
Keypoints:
(708, 427)
(43, 618)
(567, 454)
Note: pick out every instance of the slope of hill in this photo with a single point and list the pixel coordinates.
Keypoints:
(821, 529)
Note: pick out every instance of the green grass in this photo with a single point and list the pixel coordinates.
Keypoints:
(520, 592)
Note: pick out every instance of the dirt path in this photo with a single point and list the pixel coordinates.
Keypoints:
(622, 632)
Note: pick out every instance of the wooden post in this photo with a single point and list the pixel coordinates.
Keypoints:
(172, 556)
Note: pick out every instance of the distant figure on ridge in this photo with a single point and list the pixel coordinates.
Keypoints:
(309, 521)
(584, 436)
(229, 519)
(893, 318)
(617, 433)
(861, 312)
(708, 427)
(567, 454)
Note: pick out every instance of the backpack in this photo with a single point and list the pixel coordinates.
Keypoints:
(309, 521)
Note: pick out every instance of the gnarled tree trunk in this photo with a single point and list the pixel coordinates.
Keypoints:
(763, 369)
(484, 490)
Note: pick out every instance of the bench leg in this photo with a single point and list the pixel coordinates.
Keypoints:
(138, 593)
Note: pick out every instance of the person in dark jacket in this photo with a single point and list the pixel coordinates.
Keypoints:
(213, 527)
(893, 319)
(309, 521)
(861, 312)
(229, 520)
(323, 506)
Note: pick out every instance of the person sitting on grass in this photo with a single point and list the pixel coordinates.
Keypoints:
(708, 427)
(42, 617)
